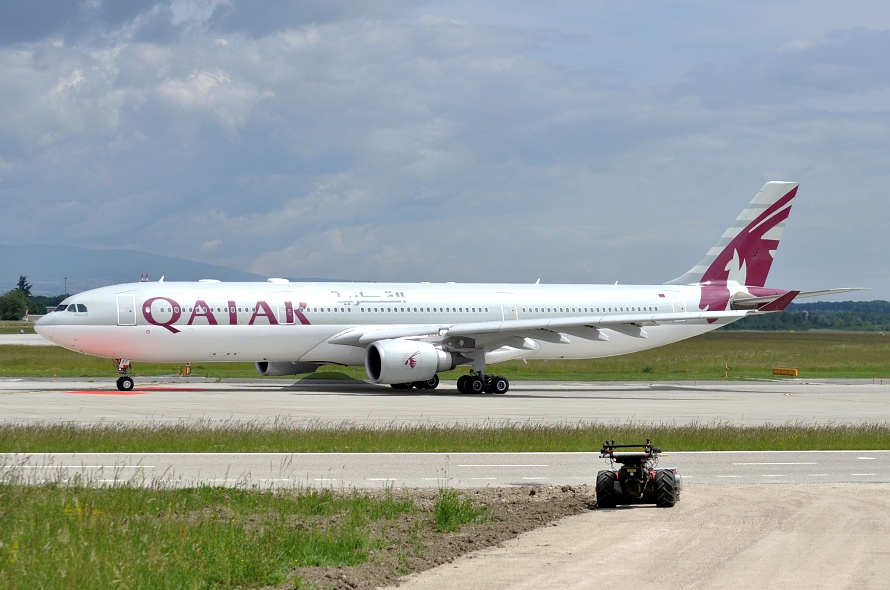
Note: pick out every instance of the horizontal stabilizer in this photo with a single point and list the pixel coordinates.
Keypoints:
(780, 303)
(744, 301)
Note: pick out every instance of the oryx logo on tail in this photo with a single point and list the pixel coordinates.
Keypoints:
(745, 252)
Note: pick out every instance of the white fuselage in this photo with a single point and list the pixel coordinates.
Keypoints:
(312, 322)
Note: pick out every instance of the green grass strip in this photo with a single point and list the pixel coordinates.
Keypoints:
(126, 537)
(279, 436)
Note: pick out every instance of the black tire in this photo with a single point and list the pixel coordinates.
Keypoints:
(665, 489)
(431, 383)
(401, 385)
(125, 383)
(475, 384)
(605, 489)
(462, 383)
(500, 385)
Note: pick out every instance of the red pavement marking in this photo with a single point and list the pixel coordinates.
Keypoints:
(103, 392)
(138, 391)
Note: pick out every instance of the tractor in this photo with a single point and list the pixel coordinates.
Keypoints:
(637, 481)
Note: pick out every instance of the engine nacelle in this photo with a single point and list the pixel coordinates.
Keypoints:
(405, 361)
(267, 369)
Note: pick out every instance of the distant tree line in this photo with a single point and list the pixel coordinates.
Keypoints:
(14, 304)
(858, 316)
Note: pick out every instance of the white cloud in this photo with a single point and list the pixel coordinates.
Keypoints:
(452, 140)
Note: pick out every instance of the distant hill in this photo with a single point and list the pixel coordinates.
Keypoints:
(46, 266)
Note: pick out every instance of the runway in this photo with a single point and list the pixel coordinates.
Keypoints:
(173, 399)
(432, 470)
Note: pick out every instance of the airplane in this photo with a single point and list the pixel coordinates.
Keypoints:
(405, 334)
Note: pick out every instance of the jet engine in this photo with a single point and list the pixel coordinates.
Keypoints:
(405, 361)
(267, 369)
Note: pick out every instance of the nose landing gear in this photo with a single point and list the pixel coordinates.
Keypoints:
(124, 382)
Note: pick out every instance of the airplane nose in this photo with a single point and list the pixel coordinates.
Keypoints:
(44, 326)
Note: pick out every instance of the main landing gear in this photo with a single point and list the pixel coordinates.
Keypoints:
(431, 383)
(482, 383)
(124, 382)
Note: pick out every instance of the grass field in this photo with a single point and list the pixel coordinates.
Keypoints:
(747, 355)
(125, 537)
(281, 437)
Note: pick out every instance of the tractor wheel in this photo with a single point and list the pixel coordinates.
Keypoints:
(665, 489)
(605, 489)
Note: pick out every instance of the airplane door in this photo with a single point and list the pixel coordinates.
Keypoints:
(508, 306)
(677, 304)
(285, 307)
(126, 309)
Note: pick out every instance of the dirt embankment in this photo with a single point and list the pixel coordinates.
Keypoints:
(767, 536)
(513, 511)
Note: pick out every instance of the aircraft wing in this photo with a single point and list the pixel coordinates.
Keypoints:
(512, 333)
(475, 335)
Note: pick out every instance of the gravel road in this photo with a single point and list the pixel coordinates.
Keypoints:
(717, 536)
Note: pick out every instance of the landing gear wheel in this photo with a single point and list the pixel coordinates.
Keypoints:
(462, 383)
(605, 489)
(431, 383)
(499, 385)
(665, 489)
(401, 385)
(475, 384)
(125, 383)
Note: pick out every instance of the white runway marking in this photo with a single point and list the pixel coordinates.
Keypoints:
(502, 466)
(802, 463)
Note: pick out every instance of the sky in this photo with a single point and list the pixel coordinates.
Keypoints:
(568, 141)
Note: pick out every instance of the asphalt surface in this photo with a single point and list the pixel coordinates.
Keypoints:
(173, 399)
(24, 340)
(433, 470)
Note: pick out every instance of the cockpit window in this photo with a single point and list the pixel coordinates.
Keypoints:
(72, 307)
(61, 308)
(81, 308)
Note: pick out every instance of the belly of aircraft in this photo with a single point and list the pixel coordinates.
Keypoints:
(196, 343)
